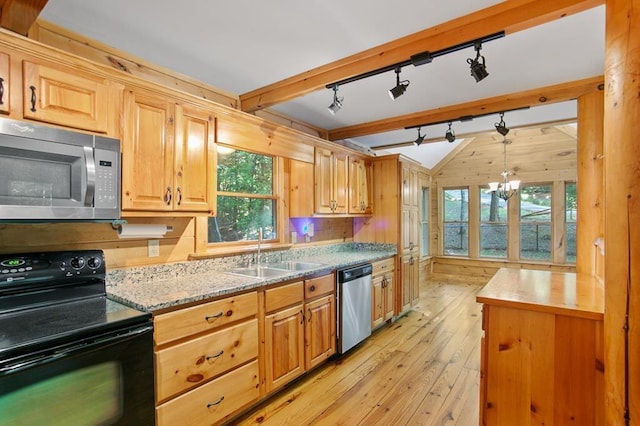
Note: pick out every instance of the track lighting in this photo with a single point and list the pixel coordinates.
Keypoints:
(401, 86)
(450, 135)
(478, 68)
(420, 138)
(337, 102)
(501, 127)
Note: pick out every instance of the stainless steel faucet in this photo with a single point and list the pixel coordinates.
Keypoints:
(259, 244)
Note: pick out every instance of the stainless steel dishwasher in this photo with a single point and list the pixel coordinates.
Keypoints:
(354, 306)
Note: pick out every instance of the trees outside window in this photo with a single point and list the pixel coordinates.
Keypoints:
(456, 222)
(246, 199)
(571, 217)
(535, 222)
(493, 225)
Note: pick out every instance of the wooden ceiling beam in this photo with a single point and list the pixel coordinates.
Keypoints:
(19, 15)
(529, 98)
(509, 16)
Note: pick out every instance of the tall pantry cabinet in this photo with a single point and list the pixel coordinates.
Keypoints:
(396, 220)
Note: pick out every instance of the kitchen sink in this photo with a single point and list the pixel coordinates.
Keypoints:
(293, 265)
(260, 271)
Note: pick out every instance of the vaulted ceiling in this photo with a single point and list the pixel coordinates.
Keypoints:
(282, 54)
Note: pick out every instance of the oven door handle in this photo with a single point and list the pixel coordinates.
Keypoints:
(72, 348)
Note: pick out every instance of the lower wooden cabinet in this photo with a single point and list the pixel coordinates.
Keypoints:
(383, 281)
(300, 332)
(206, 360)
(410, 285)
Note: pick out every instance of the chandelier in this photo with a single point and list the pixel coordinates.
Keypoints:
(507, 188)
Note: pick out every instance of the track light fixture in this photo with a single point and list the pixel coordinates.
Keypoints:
(420, 138)
(478, 68)
(450, 135)
(337, 102)
(401, 86)
(501, 127)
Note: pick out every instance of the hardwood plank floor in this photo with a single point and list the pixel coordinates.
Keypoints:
(424, 369)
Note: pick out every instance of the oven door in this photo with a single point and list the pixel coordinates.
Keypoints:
(104, 380)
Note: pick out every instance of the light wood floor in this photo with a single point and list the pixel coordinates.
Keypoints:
(424, 369)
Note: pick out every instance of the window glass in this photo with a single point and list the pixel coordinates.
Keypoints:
(535, 222)
(456, 222)
(246, 202)
(571, 216)
(424, 246)
(493, 224)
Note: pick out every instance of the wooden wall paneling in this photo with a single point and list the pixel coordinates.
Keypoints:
(175, 246)
(622, 210)
(590, 178)
(488, 267)
(325, 229)
(513, 229)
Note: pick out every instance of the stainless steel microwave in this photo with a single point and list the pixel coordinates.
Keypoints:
(48, 173)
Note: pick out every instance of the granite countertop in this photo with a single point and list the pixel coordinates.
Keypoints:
(153, 292)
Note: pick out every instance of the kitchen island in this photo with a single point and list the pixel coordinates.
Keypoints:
(543, 349)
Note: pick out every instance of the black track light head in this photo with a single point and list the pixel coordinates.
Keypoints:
(478, 68)
(400, 88)
(450, 135)
(420, 138)
(501, 127)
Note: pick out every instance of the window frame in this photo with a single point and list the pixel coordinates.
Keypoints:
(553, 225)
(275, 196)
(444, 221)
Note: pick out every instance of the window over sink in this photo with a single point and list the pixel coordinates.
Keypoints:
(247, 200)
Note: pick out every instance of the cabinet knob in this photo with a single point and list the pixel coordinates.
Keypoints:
(312, 288)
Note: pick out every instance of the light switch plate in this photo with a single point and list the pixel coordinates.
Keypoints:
(153, 248)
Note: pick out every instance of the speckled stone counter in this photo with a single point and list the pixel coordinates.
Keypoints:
(160, 287)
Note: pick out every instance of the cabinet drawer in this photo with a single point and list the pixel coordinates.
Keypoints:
(212, 402)
(318, 286)
(205, 317)
(191, 363)
(382, 266)
(283, 296)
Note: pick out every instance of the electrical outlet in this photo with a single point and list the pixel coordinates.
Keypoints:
(153, 248)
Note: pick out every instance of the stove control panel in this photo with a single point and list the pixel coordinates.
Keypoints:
(63, 266)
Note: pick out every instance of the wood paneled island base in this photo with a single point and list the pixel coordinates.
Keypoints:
(543, 349)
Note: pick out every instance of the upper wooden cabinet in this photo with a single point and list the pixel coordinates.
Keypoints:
(360, 186)
(168, 155)
(331, 181)
(66, 97)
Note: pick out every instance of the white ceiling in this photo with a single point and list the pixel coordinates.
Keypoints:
(242, 45)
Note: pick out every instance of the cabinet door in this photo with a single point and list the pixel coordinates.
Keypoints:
(377, 301)
(300, 186)
(359, 197)
(284, 339)
(323, 181)
(4, 83)
(147, 153)
(406, 275)
(194, 160)
(387, 289)
(340, 172)
(65, 97)
(320, 330)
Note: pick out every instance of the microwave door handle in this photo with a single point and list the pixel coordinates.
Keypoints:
(90, 167)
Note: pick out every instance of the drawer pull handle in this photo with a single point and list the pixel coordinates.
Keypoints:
(211, 404)
(215, 316)
(216, 355)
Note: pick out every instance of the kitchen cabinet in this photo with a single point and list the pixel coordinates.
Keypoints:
(299, 328)
(410, 286)
(59, 95)
(542, 353)
(206, 360)
(301, 175)
(331, 174)
(383, 281)
(168, 155)
(360, 184)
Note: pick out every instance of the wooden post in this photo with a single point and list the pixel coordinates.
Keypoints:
(622, 210)
(590, 222)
